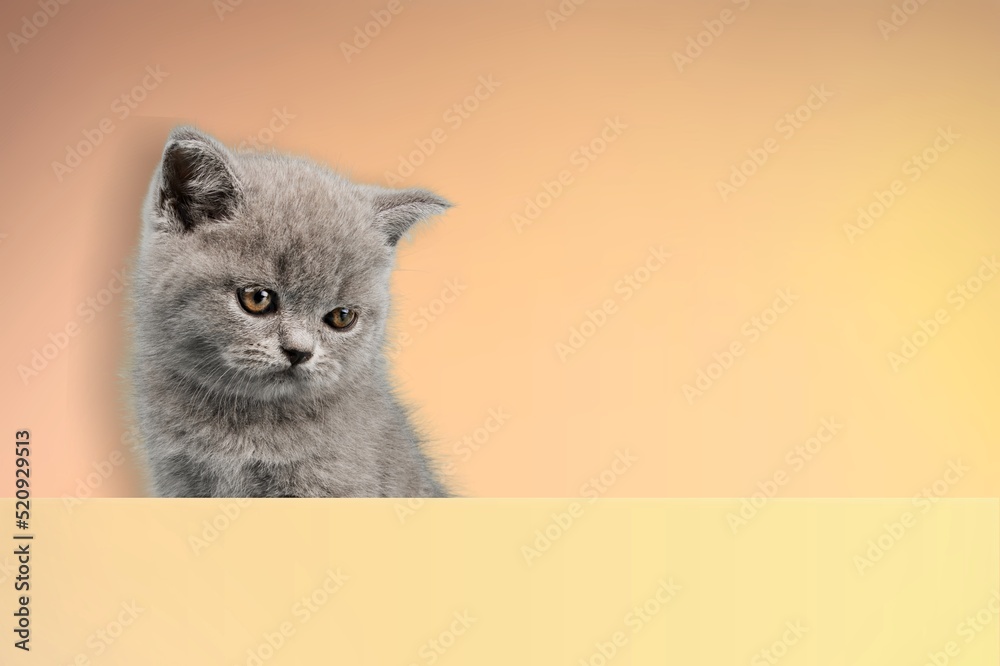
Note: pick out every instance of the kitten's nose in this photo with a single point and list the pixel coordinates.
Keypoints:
(296, 356)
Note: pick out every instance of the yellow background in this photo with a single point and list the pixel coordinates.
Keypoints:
(211, 602)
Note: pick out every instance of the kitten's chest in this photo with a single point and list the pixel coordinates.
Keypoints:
(303, 459)
(322, 451)
(269, 439)
(311, 477)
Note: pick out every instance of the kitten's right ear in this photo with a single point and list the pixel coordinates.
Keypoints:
(196, 182)
(398, 210)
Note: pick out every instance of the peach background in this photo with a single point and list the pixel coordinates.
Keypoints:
(495, 346)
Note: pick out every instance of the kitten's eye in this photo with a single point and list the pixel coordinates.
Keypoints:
(256, 300)
(341, 318)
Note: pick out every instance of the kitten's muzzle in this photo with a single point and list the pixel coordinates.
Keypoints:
(296, 356)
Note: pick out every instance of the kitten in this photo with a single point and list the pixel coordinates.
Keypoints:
(261, 295)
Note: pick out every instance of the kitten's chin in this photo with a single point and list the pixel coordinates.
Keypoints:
(260, 385)
(285, 382)
(276, 387)
(256, 386)
(297, 381)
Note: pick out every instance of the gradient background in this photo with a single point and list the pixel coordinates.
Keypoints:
(209, 595)
(494, 347)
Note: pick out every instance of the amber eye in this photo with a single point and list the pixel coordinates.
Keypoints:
(341, 318)
(256, 300)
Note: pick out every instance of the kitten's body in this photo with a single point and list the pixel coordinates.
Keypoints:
(226, 406)
(216, 449)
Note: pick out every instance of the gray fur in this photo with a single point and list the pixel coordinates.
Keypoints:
(221, 409)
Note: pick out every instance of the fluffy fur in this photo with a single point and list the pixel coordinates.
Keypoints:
(221, 409)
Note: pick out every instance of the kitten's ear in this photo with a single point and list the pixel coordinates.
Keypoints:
(398, 210)
(196, 181)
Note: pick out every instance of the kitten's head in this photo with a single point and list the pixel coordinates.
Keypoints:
(262, 275)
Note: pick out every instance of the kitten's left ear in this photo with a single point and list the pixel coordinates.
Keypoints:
(398, 210)
(196, 181)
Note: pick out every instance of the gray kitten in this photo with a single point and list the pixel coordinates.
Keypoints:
(261, 294)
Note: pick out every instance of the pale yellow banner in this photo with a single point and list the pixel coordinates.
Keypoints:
(591, 582)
